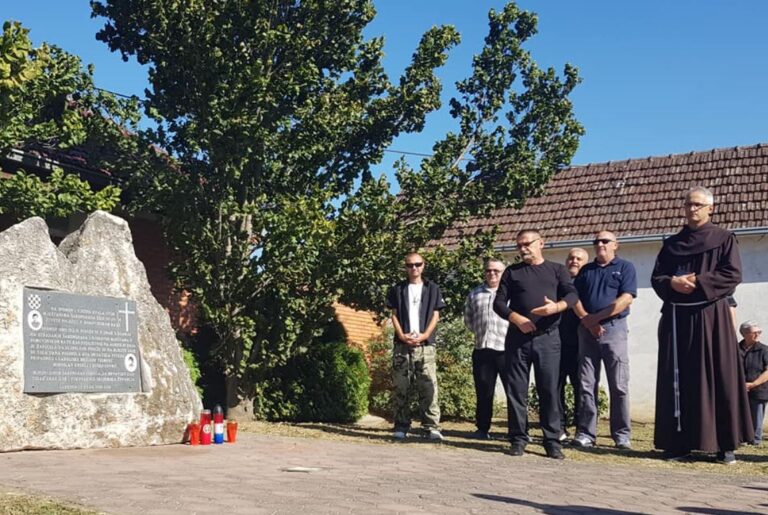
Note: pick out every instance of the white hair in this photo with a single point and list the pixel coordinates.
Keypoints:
(704, 191)
(748, 326)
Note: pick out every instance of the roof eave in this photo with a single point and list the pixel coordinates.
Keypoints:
(642, 238)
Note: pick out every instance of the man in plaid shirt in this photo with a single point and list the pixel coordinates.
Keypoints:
(490, 330)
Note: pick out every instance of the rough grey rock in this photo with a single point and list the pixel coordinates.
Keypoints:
(98, 259)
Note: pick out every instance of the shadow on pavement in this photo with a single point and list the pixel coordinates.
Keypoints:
(765, 489)
(555, 508)
(715, 511)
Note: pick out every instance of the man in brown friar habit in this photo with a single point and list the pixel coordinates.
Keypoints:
(701, 400)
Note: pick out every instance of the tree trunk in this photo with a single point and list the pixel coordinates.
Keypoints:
(239, 406)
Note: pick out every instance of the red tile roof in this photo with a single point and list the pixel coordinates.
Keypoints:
(638, 197)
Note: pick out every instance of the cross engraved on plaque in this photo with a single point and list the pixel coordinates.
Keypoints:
(126, 312)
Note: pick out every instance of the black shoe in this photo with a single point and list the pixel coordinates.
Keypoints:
(554, 451)
(726, 457)
(480, 435)
(677, 455)
(517, 449)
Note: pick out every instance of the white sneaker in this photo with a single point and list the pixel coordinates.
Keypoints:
(582, 441)
(435, 435)
(399, 435)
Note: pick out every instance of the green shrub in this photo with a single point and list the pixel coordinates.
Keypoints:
(193, 366)
(380, 356)
(454, 372)
(328, 383)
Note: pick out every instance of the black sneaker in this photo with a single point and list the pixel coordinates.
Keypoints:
(554, 451)
(726, 457)
(670, 455)
(517, 449)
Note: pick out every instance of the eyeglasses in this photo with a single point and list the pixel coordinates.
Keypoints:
(694, 205)
(604, 241)
(492, 271)
(525, 245)
(414, 265)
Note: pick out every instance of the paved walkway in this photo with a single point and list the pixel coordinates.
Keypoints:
(266, 474)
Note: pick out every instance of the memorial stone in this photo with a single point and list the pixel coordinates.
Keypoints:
(70, 375)
(79, 343)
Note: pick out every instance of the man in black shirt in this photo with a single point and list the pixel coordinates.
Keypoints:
(415, 304)
(531, 295)
(755, 357)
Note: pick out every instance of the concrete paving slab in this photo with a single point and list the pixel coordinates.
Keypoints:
(254, 476)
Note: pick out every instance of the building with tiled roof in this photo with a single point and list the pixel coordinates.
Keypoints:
(641, 201)
(638, 198)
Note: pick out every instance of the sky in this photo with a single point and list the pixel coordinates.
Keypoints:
(659, 76)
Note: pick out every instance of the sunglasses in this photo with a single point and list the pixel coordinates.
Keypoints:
(414, 265)
(527, 244)
(604, 241)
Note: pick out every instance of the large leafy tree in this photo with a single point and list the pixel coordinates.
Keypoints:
(274, 112)
(48, 99)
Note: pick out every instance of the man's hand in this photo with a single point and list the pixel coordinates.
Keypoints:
(549, 307)
(589, 321)
(684, 284)
(750, 386)
(414, 339)
(592, 324)
(596, 331)
(522, 323)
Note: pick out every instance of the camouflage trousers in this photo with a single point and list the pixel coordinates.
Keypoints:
(415, 367)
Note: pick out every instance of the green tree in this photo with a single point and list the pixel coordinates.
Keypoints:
(275, 111)
(47, 97)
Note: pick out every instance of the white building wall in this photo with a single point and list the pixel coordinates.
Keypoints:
(751, 295)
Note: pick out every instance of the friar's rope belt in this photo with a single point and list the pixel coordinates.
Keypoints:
(676, 381)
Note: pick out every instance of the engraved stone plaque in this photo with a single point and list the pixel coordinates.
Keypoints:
(79, 343)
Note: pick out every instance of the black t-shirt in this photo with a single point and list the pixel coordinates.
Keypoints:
(755, 363)
(523, 287)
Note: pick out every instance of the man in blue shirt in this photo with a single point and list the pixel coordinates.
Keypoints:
(606, 288)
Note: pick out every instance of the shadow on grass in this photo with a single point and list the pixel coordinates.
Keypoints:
(555, 508)
(459, 439)
(612, 451)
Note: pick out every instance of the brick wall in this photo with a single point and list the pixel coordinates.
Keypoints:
(151, 249)
(360, 326)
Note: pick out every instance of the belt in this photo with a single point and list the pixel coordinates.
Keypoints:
(541, 332)
(611, 320)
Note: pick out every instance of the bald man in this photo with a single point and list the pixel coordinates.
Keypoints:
(606, 286)
(569, 345)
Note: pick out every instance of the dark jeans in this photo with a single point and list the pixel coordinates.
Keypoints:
(487, 364)
(543, 353)
(569, 370)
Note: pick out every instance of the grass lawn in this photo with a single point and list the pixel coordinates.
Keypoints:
(751, 461)
(12, 503)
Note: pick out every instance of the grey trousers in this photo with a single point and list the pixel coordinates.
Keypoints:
(611, 349)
